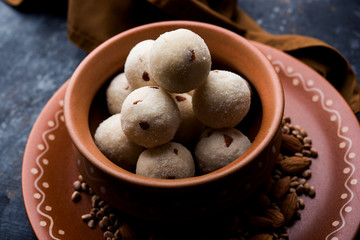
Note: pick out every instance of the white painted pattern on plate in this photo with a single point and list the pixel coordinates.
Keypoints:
(346, 143)
(40, 194)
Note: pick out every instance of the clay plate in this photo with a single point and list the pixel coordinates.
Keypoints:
(49, 168)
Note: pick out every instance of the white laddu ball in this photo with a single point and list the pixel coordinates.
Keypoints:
(115, 145)
(169, 161)
(223, 100)
(116, 93)
(190, 127)
(217, 148)
(149, 116)
(179, 60)
(137, 65)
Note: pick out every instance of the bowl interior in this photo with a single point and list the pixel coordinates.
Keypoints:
(85, 102)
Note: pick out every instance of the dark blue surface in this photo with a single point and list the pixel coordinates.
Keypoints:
(36, 58)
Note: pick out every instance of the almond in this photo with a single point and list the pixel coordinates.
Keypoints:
(261, 201)
(280, 188)
(291, 143)
(260, 223)
(289, 206)
(262, 236)
(294, 165)
(277, 218)
(126, 232)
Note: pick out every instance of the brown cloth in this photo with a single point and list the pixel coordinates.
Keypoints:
(91, 22)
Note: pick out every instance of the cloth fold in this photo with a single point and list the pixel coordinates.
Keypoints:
(92, 22)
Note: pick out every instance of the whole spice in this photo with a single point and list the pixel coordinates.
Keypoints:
(262, 236)
(127, 232)
(91, 224)
(312, 191)
(76, 196)
(291, 143)
(275, 216)
(261, 201)
(258, 222)
(86, 217)
(77, 185)
(289, 206)
(294, 165)
(281, 187)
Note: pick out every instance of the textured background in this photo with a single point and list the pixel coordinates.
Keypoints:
(36, 58)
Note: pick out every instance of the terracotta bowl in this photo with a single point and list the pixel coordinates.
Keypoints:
(176, 199)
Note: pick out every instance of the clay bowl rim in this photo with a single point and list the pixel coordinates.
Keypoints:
(263, 138)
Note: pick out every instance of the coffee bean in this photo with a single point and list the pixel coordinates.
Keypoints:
(86, 217)
(301, 203)
(108, 234)
(287, 119)
(101, 203)
(307, 140)
(300, 189)
(306, 188)
(312, 192)
(112, 218)
(80, 177)
(91, 191)
(284, 235)
(302, 181)
(306, 173)
(100, 214)
(314, 152)
(117, 233)
(92, 224)
(111, 228)
(84, 187)
(295, 132)
(286, 130)
(303, 133)
(93, 212)
(294, 184)
(307, 146)
(76, 196)
(94, 200)
(294, 179)
(77, 185)
(107, 209)
(104, 223)
(306, 153)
